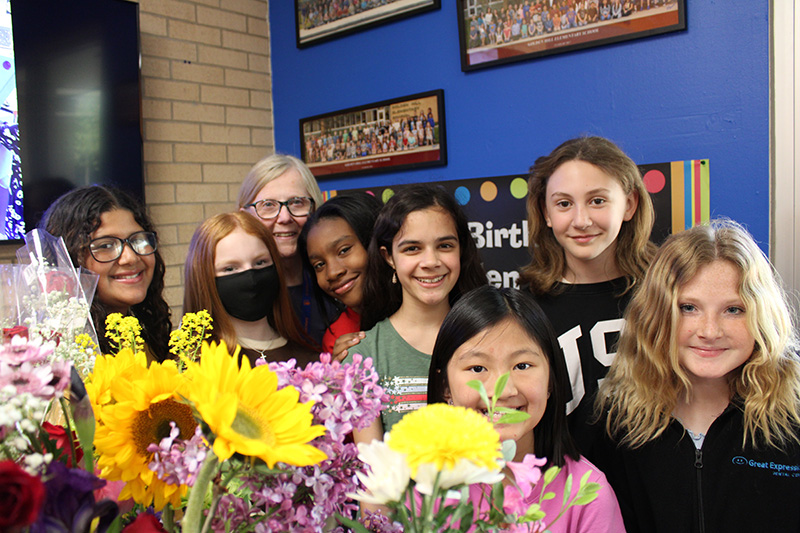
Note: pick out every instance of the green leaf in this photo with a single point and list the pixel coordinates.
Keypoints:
(533, 513)
(567, 489)
(548, 496)
(551, 474)
(511, 416)
(478, 386)
(509, 450)
(586, 498)
(499, 387)
(354, 525)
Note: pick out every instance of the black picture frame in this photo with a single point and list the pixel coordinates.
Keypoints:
(376, 137)
(310, 32)
(481, 48)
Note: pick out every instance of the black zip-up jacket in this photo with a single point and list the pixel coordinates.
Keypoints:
(670, 486)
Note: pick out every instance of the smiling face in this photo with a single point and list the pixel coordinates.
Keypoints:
(123, 282)
(585, 207)
(338, 259)
(503, 348)
(285, 227)
(239, 251)
(713, 339)
(426, 256)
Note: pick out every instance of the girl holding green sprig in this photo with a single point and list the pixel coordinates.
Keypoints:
(491, 332)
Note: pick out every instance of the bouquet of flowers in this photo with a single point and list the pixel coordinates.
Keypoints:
(193, 444)
(453, 479)
(44, 308)
(249, 448)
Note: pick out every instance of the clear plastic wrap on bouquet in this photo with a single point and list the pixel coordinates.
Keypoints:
(45, 292)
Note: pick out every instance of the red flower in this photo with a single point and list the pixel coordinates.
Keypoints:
(9, 333)
(145, 523)
(56, 280)
(21, 496)
(58, 434)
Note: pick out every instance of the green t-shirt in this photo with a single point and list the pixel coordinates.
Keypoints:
(403, 371)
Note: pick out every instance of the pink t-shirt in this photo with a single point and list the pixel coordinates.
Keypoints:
(602, 514)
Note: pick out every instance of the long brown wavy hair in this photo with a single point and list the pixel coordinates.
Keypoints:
(74, 217)
(634, 249)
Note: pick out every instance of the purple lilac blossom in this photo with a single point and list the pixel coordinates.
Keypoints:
(177, 461)
(303, 499)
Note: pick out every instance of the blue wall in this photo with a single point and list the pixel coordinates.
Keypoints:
(700, 93)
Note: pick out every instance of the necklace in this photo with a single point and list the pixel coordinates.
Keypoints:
(262, 352)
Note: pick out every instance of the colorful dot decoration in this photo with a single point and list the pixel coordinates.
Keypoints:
(654, 181)
(462, 195)
(519, 188)
(488, 192)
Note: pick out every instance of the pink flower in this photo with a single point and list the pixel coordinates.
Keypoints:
(526, 474)
(28, 378)
(111, 491)
(21, 350)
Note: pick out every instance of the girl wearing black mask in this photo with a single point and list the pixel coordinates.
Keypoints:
(234, 271)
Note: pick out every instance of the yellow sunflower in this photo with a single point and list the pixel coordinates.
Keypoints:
(109, 369)
(248, 414)
(461, 433)
(143, 403)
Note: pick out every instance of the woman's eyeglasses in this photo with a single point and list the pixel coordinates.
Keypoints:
(108, 249)
(299, 206)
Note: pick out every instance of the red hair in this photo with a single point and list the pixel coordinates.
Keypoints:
(200, 288)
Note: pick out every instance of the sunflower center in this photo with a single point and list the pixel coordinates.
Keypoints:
(152, 425)
(249, 425)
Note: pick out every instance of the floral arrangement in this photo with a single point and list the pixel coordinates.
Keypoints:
(453, 479)
(204, 442)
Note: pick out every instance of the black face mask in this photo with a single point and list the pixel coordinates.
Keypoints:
(249, 295)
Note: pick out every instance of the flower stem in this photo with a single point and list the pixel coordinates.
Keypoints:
(192, 522)
(168, 518)
(69, 432)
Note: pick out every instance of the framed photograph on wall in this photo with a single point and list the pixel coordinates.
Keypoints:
(492, 32)
(397, 134)
(321, 20)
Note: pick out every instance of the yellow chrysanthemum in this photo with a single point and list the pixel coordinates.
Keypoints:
(110, 369)
(461, 433)
(143, 403)
(246, 412)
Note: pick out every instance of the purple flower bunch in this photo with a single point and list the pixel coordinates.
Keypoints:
(346, 396)
(305, 499)
(177, 461)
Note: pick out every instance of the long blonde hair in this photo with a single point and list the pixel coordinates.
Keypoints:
(634, 249)
(646, 379)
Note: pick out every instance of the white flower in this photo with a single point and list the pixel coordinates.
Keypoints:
(388, 477)
(465, 472)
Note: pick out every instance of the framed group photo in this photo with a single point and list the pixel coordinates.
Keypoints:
(493, 32)
(398, 134)
(321, 20)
